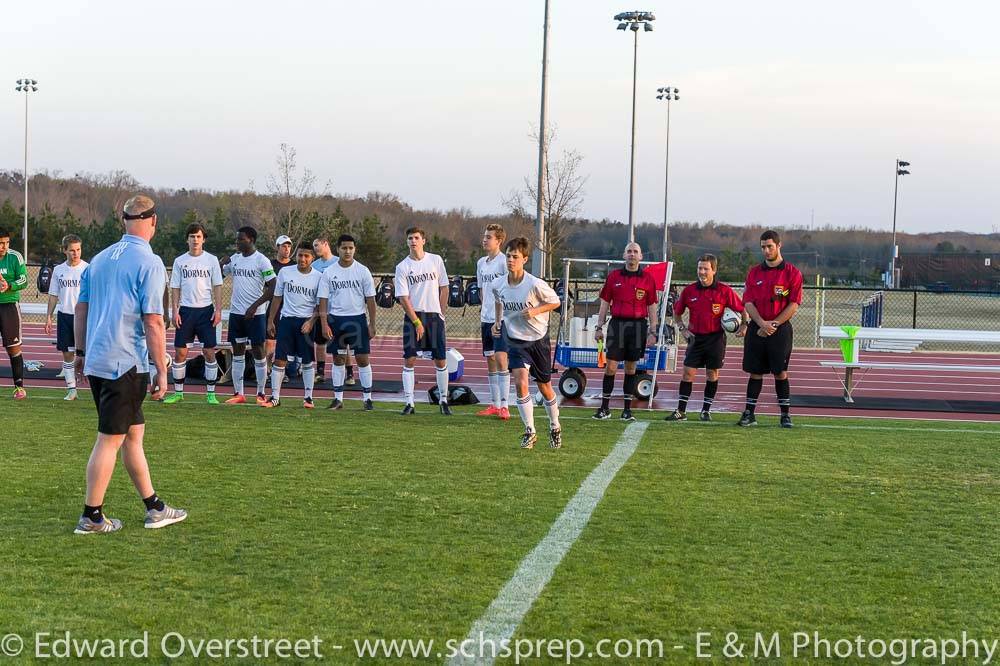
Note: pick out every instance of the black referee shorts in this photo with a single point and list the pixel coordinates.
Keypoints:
(706, 351)
(119, 401)
(767, 355)
(626, 339)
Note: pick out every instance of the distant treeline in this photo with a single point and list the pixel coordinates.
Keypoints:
(88, 205)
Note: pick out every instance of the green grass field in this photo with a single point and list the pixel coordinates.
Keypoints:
(359, 526)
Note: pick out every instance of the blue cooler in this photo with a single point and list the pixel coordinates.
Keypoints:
(456, 365)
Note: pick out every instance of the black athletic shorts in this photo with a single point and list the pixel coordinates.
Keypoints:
(706, 351)
(626, 339)
(119, 401)
(10, 324)
(65, 337)
(535, 355)
(770, 355)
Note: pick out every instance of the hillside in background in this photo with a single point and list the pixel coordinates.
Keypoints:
(87, 204)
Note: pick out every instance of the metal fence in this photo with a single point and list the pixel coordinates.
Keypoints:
(821, 306)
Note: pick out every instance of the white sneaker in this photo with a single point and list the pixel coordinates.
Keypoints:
(70, 395)
(157, 519)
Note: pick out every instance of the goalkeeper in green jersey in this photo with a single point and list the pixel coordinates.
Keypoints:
(13, 278)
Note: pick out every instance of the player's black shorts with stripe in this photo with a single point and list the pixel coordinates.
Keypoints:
(293, 344)
(119, 401)
(10, 324)
(626, 339)
(432, 341)
(253, 331)
(767, 355)
(535, 355)
(349, 332)
(491, 344)
(706, 351)
(196, 324)
(65, 338)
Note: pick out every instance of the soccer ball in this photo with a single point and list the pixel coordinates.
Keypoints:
(730, 321)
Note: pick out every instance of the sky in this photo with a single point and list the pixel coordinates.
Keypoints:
(790, 113)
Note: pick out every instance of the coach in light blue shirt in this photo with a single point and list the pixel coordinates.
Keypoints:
(122, 283)
(118, 323)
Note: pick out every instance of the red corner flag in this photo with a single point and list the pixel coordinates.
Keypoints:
(659, 272)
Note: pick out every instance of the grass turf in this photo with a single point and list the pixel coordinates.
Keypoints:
(353, 525)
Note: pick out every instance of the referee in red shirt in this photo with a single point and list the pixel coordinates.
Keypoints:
(630, 294)
(705, 300)
(772, 296)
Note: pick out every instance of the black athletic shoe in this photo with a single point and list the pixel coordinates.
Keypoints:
(555, 438)
(369, 406)
(705, 416)
(408, 410)
(786, 421)
(747, 419)
(528, 439)
(676, 415)
(335, 404)
(627, 415)
(445, 409)
(602, 414)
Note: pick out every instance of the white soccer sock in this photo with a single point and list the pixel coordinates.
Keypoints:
(337, 378)
(365, 375)
(308, 378)
(504, 380)
(526, 407)
(495, 389)
(238, 370)
(552, 409)
(211, 375)
(277, 375)
(69, 374)
(179, 371)
(408, 381)
(442, 383)
(260, 367)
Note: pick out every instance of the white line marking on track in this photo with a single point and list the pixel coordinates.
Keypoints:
(503, 616)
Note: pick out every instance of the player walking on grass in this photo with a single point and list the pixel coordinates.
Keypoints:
(346, 291)
(13, 278)
(422, 289)
(706, 300)
(64, 292)
(295, 297)
(118, 322)
(488, 269)
(630, 294)
(772, 296)
(196, 295)
(521, 307)
(253, 287)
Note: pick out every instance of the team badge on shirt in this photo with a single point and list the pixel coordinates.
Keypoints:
(716, 309)
(780, 291)
(640, 294)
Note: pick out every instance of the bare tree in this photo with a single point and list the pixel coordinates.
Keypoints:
(564, 195)
(291, 194)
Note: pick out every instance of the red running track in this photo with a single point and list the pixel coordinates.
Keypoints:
(807, 378)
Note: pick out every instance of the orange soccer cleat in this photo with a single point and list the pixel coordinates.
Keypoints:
(489, 411)
(237, 399)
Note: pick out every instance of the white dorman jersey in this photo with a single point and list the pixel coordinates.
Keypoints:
(422, 281)
(529, 293)
(488, 270)
(347, 288)
(65, 285)
(298, 291)
(195, 277)
(250, 274)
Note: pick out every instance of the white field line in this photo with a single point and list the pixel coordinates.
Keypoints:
(506, 612)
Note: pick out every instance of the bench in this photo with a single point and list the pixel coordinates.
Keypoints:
(855, 338)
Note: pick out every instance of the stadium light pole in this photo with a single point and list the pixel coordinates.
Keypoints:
(538, 261)
(900, 171)
(26, 85)
(670, 95)
(634, 21)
